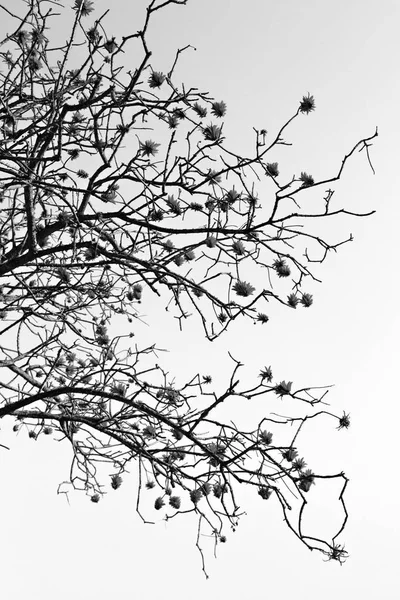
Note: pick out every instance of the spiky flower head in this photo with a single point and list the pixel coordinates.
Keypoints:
(232, 196)
(262, 318)
(95, 498)
(93, 35)
(150, 485)
(308, 180)
(205, 488)
(283, 388)
(211, 241)
(212, 133)
(266, 373)
(116, 481)
(265, 492)
(306, 480)
(218, 490)
(293, 300)
(110, 45)
(149, 431)
(32, 434)
(281, 267)
(306, 300)
(299, 464)
(159, 503)
(222, 539)
(272, 169)
(243, 288)
(172, 121)
(85, 6)
(149, 148)
(307, 104)
(195, 496)
(266, 437)
(137, 291)
(200, 110)
(156, 79)
(189, 255)
(175, 502)
(344, 421)
(238, 248)
(290, 454)
(213, 177)
(218, 109)
(207, 379)
(196, 206)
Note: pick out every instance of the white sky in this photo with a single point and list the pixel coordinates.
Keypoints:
(260, 57)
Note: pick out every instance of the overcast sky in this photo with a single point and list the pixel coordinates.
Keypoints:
(260, 57)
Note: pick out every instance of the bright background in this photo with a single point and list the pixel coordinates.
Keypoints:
(260, 57)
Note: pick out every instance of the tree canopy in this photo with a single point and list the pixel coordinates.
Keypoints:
(118, 186)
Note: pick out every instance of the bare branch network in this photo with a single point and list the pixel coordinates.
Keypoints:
(117, 186)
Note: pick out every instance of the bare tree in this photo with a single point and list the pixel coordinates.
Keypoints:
(118, 185)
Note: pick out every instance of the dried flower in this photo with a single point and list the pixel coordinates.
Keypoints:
(93, 35)
(290, 454)
(238, 248)
(283, 388)
(205, 488)
(211, 241)
(266, 437)
(218, 109)
(212, 133)
(159, 503)
(196, 206)
(272, 169)
(32, 434)
(172, 121)
(218, 490)
(207, 379)
(137, 291)
(149, 148)
(293, 300)
(150, 485)
(243, 288)
(222, 539)
(262, 318)
(265, 492)
(299, 464)
(86, 7)
(195, 496)
(200, 110)
(63, 274)
(266, 373)
(149, 431)
(306, 300)
(232, 196)
(156, 215)
(213, 177)
(344, 421)
(95, 498)
(116, 481)
(307, 104)
(110, 45)
(156, 79)
(189, 255)
(306, 480)
(281, 267)
(307, 180)
(175, 502)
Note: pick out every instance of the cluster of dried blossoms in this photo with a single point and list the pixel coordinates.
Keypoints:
(115, 186)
